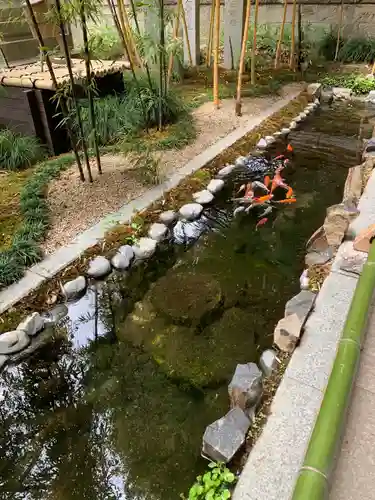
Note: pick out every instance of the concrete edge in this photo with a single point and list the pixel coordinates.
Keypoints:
(61, 258)
(274, 463)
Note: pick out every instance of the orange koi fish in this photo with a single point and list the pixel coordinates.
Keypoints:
(289, 148)
(261, 223)
(263, 199)
(287, 200)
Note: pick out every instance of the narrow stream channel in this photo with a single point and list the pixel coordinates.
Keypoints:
(116, 406)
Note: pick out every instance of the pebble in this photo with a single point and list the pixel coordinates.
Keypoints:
(203, 197)
(225, 171)
(191, 211)
(268, 362)
(99, 267)
(168, 217)
(145, 248)
(74, 288)
(262, 143)
(32, 324)
(13, 341)
(158, 231)
(215, 185)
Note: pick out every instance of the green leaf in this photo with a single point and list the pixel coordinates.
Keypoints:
(225, 495)
(211, 465)
(229, 477)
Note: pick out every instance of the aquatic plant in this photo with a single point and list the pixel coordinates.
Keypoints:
(18, 151)
(215, 484)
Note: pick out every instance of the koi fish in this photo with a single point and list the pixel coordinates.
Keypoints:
(288, 200)
(289, 148)
(261, 223)
(263, 199)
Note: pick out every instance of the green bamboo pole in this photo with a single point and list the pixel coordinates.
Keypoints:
(313, 479)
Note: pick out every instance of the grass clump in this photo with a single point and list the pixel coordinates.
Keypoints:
(24, 249)
(18, 152)
(353, 50)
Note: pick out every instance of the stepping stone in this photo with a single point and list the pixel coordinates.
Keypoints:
(168, 217)
(158, 231)
(203, 197)
(215, 186)
(225, 171)
(145, 248)
(73, 289)
(99, 267)
(191, 211)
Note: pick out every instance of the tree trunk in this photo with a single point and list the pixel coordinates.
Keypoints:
(293, 41)
(242, 57)
(175, 36)
(278, 50)
(74, 95)
(216, 54)
(339, 30)
(89, 85)
(63, 105)
(210, 35)
(253, 52)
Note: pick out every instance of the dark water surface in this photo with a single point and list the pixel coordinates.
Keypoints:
(116, 406)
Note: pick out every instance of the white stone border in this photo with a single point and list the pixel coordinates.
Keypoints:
(50, 266)
(273, 464)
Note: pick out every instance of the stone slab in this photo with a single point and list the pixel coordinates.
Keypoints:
(192, 10)
(274, 462)
(366, 207)
(66, 255)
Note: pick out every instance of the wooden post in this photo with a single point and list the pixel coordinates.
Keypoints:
(339, 30)
(253, 52)
(293, 41)
(216, 54)
(278, 50)
(210, 34)
(242, 57)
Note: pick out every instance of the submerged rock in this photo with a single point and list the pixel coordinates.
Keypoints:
(246, 387)
(185, 232)
(268, 362)
(301, 305)
(341, 93)
(223, 438)
(191, 211)
(203, 197)
(158, 231)
(14, 341)
(56, 314)
(168, 217)
(241, 161)
(215, 185)
(99, 267)
(73, 289)
(225, 171)
(327, 96)
(44, 338)
(287, 333)
(32, 324)
(145, 248)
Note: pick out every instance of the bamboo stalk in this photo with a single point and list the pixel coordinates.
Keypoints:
(242, 57)
(373, 69)
(210, 34)
(216, 54)
(278, 50)
(121, 9)
(175, 35)
(161, 61)
(131, 38)
(293, 41)
(299, 26)
(89, 84)
(186, 34)
(74, 95)
(254, 42)
(63, 105)
(339, 30)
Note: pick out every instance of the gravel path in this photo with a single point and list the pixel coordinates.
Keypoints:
(75, 206)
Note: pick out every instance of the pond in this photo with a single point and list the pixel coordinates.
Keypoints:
(116, 406)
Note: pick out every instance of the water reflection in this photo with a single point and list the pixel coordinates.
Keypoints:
(114, 407)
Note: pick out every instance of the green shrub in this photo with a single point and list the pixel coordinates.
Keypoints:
(215, 484)
(359, 49)
(359, 84)
(104, 42)
(17, 151)
(327, 45)
(24, 250)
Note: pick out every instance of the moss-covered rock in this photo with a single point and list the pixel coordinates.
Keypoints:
(186, 297)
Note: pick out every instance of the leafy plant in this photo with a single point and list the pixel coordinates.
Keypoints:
(215, 484)
(147, 167)
(359, 84)
(104, 42)
(359, 49)
(17, 151)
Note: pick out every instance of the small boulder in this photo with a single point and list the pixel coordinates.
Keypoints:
(120, 262)
(3, 360)
(73, 289)
(56, 314)
(158, 231)
(269, 139)
(215, 186)
(301, 305)
(241, 161)
(268, 362)
(350, 260)
(304, 280)
(99, 267)
(287, 333)
(191, 211)
(297, 119)
(246, 387)
(319, 258)
(168, 217)
(223, 438)
(371, 96)
(32, 324)
(302, 115)
(14, 341)
(127, 251)
(293, 125)
(277, 134)
(317, 102)
(336, 224)
(370, 145)
(285, 131)
(341, 93)
(314, 89)
(262, 144)
(225, 171)
(203, 197)
(145, 248)
(327, 96)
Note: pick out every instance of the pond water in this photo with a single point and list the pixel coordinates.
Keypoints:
(116, 406)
